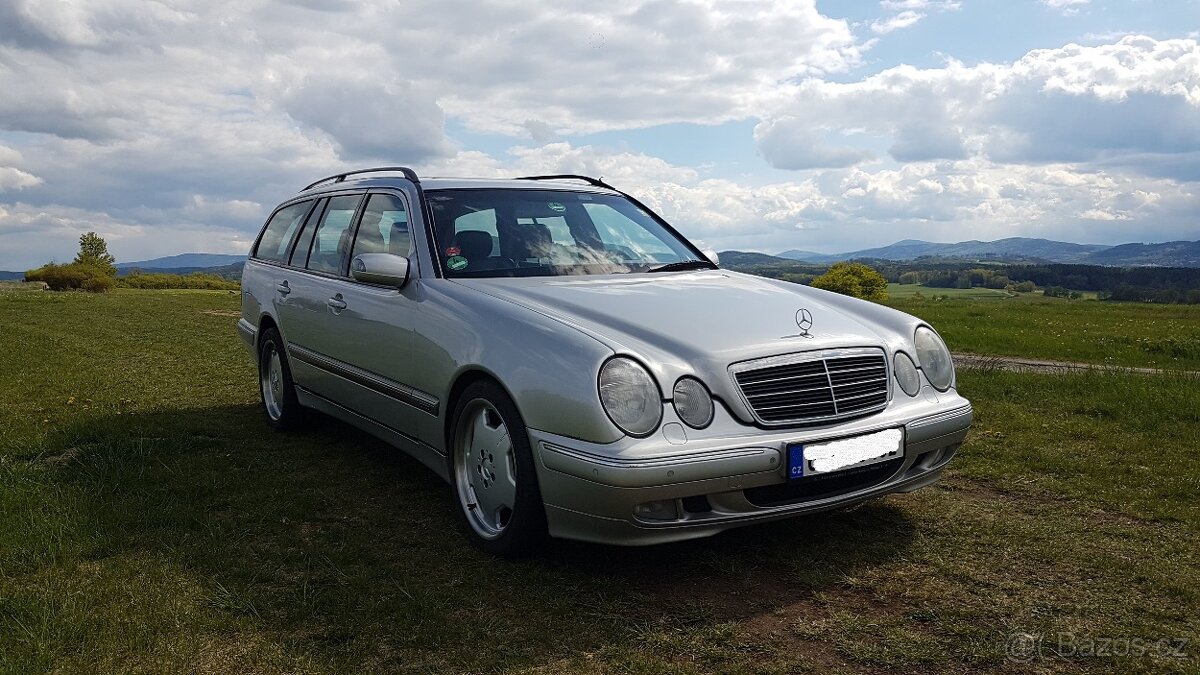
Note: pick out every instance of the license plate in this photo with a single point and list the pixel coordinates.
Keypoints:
(808, 459)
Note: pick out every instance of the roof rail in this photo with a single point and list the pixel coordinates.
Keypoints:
(338, 178)
(560, 176)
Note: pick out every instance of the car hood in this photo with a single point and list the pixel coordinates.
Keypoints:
(716, 317)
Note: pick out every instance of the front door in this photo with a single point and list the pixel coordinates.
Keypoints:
(363, 337)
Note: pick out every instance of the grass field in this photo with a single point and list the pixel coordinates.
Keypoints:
(1112, 333)
(911, 291)
(150, 522)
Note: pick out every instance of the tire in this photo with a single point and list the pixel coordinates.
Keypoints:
(492, 475)
(275, 385)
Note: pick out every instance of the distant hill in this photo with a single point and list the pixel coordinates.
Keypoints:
(1169, 254)
(1023, 249)
(193, 261)
(737, 259)
(12, 276)
(232, 271)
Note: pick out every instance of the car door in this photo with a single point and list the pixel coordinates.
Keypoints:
(304, 288)
(367, 334)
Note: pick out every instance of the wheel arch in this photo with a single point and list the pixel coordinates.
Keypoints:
(464, 379)
(467, 377)
(265, 323)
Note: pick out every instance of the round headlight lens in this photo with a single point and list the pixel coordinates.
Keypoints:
(906, 374)
(630, 397)
(934, 358)
(693, 403)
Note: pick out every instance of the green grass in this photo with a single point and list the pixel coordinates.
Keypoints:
(19, 287)
(1112, 333)
(150, 522)
(910, 291)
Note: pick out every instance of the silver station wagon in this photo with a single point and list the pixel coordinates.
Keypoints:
(574, 367)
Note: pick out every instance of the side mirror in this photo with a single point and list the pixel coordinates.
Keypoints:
(712, 256)
(384, 269)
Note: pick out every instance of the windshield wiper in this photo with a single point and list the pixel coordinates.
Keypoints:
(680, 265)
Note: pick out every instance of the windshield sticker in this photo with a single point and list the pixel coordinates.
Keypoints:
(457, 263)
(453, 250)
(556, 207)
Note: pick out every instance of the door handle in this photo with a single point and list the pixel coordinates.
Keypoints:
(336, 302)
(283, 288)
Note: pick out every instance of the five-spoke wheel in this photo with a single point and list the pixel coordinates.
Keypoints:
(492, 473)
(275, 382)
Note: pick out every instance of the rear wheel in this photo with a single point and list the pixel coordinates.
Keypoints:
(492, 474)
(276, 387)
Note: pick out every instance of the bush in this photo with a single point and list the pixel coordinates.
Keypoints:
(98, 284)
(853, 279)
(196, 280)
(73, 276)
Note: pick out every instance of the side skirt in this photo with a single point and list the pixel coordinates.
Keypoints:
(425, 454)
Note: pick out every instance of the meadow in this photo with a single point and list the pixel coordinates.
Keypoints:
(984, 321)
(151, 522)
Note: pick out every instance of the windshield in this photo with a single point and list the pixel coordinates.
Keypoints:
(517, 232)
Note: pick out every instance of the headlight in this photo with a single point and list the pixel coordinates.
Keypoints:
(906, 374)
(693, 402)
(630, 397)
(934, 358)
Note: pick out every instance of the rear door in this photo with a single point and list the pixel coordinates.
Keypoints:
(304, 289)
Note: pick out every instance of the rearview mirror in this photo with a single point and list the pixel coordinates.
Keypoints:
(712, 256)
(384, 269)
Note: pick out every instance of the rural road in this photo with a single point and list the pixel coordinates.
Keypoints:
(1026, 365)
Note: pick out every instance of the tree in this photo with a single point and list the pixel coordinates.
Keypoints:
(853, 279)
(93, 252)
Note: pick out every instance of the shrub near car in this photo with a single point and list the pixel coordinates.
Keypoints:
(574, 367)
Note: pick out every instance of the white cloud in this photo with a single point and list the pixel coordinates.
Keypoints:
(128, 109)
(863, 206)
(900, 5)
(902, 20)
(11, 177)
(15, 179)
(1067, 7)
(1135, 102)
(169, 126)
(789, 144)
(907, 13)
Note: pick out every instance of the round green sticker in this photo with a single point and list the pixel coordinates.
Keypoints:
(556, 207)
(456, 262)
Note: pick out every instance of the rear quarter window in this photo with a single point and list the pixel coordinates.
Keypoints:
(276, 240)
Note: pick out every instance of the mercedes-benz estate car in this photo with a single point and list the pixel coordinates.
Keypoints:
(572, 366)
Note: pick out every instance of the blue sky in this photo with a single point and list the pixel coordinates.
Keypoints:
(173, 126)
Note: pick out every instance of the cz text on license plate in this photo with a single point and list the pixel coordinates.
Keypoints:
(807, 459)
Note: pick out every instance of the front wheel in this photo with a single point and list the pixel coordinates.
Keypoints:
(492, 474)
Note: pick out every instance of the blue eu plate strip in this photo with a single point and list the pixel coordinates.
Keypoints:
(795, 461)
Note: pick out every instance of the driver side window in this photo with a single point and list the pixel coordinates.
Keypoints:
(384, 227)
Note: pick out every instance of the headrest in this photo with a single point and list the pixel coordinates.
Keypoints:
(474, 244)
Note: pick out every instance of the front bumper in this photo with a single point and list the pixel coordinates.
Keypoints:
(730, 480)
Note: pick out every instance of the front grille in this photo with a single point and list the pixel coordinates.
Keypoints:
(815, 386)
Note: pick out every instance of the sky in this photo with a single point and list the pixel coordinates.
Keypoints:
(174, 126)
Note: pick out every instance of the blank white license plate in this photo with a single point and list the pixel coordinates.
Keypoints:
(808, 459)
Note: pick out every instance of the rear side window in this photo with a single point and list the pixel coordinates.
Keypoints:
(384, 227)
(277, 235)
(304, 241)
(331, 243)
